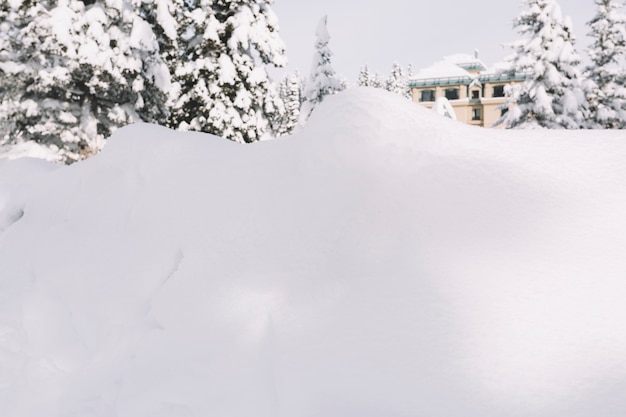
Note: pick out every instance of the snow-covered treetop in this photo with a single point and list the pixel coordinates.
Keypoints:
(255, 25)
(608, 28)
(323, 79)
(551, 96)
(605, 82)
(321, 33)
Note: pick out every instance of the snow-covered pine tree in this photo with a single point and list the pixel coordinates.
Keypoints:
(221, 85)
(397, 81)
(551, 96)
(378, 80)
(367, 78)
(606, 76)
(12, 18)
(323, 80)
(409, 71)
(290, 91)
(80, 70)
(161, 16)
(364, 78)
(193, 66)
(409, 76)
(345, 84)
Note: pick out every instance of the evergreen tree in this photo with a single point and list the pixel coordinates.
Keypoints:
(220, 85)
(551, 96)
(606, 76)
(290, 91)
(194, 67)
(397, 81)
(378, 81)
(12, 19)
(344, 83)
(323, 80)
(79, 70)
(365, 78)
(409, 77)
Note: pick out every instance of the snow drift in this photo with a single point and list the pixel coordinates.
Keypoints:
(384, 261)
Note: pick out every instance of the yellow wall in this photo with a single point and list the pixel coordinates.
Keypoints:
(489, 106)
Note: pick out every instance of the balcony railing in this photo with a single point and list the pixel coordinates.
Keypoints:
(483, 78)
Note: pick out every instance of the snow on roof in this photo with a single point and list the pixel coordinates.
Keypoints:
(451, 66)
(498, 67)
(464, 60)
(441, 69)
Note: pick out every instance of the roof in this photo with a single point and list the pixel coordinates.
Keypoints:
(466, 61)
(454, 70)
(441, 69)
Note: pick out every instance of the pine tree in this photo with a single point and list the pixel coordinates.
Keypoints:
(323, 80)
(12, 19)
(290, 91)
(409, 76)
(378, 81)
(194, 67)
(606, 76)
(79, 70)
(551, 96)
(221, 85)
(397, 81)
(365, 78)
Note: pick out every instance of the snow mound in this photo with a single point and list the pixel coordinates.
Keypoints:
(384, 261)
(443, 107)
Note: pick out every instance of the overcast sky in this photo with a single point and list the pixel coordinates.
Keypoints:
(416, 32)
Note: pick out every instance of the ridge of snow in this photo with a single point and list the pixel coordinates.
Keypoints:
(383, 261)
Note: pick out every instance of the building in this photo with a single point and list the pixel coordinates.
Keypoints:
(476, 94)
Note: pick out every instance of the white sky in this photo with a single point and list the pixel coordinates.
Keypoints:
(413, 32)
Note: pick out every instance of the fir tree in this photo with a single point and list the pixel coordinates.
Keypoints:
(378, 81)
(323, 80)
(409, 72)
(397, 81)
(409, 76)
(194, 67)
(12, 19)
(221, 85)
(290, 91)
(80, 70)
(606, 76)
(365, 78)
(551, 96)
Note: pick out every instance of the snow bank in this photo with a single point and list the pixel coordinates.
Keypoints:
(384, 261)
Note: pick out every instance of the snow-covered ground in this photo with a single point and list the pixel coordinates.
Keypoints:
(384, 261)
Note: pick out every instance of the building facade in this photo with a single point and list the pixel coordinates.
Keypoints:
(476, 94)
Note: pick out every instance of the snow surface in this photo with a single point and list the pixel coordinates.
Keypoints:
(441, 69)
(443, 107)
(464, 59)
(383, 261)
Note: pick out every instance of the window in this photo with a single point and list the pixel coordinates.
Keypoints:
(498, 91)
(452, 93)
(427, 95)
(476, 114)
(475, 94)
